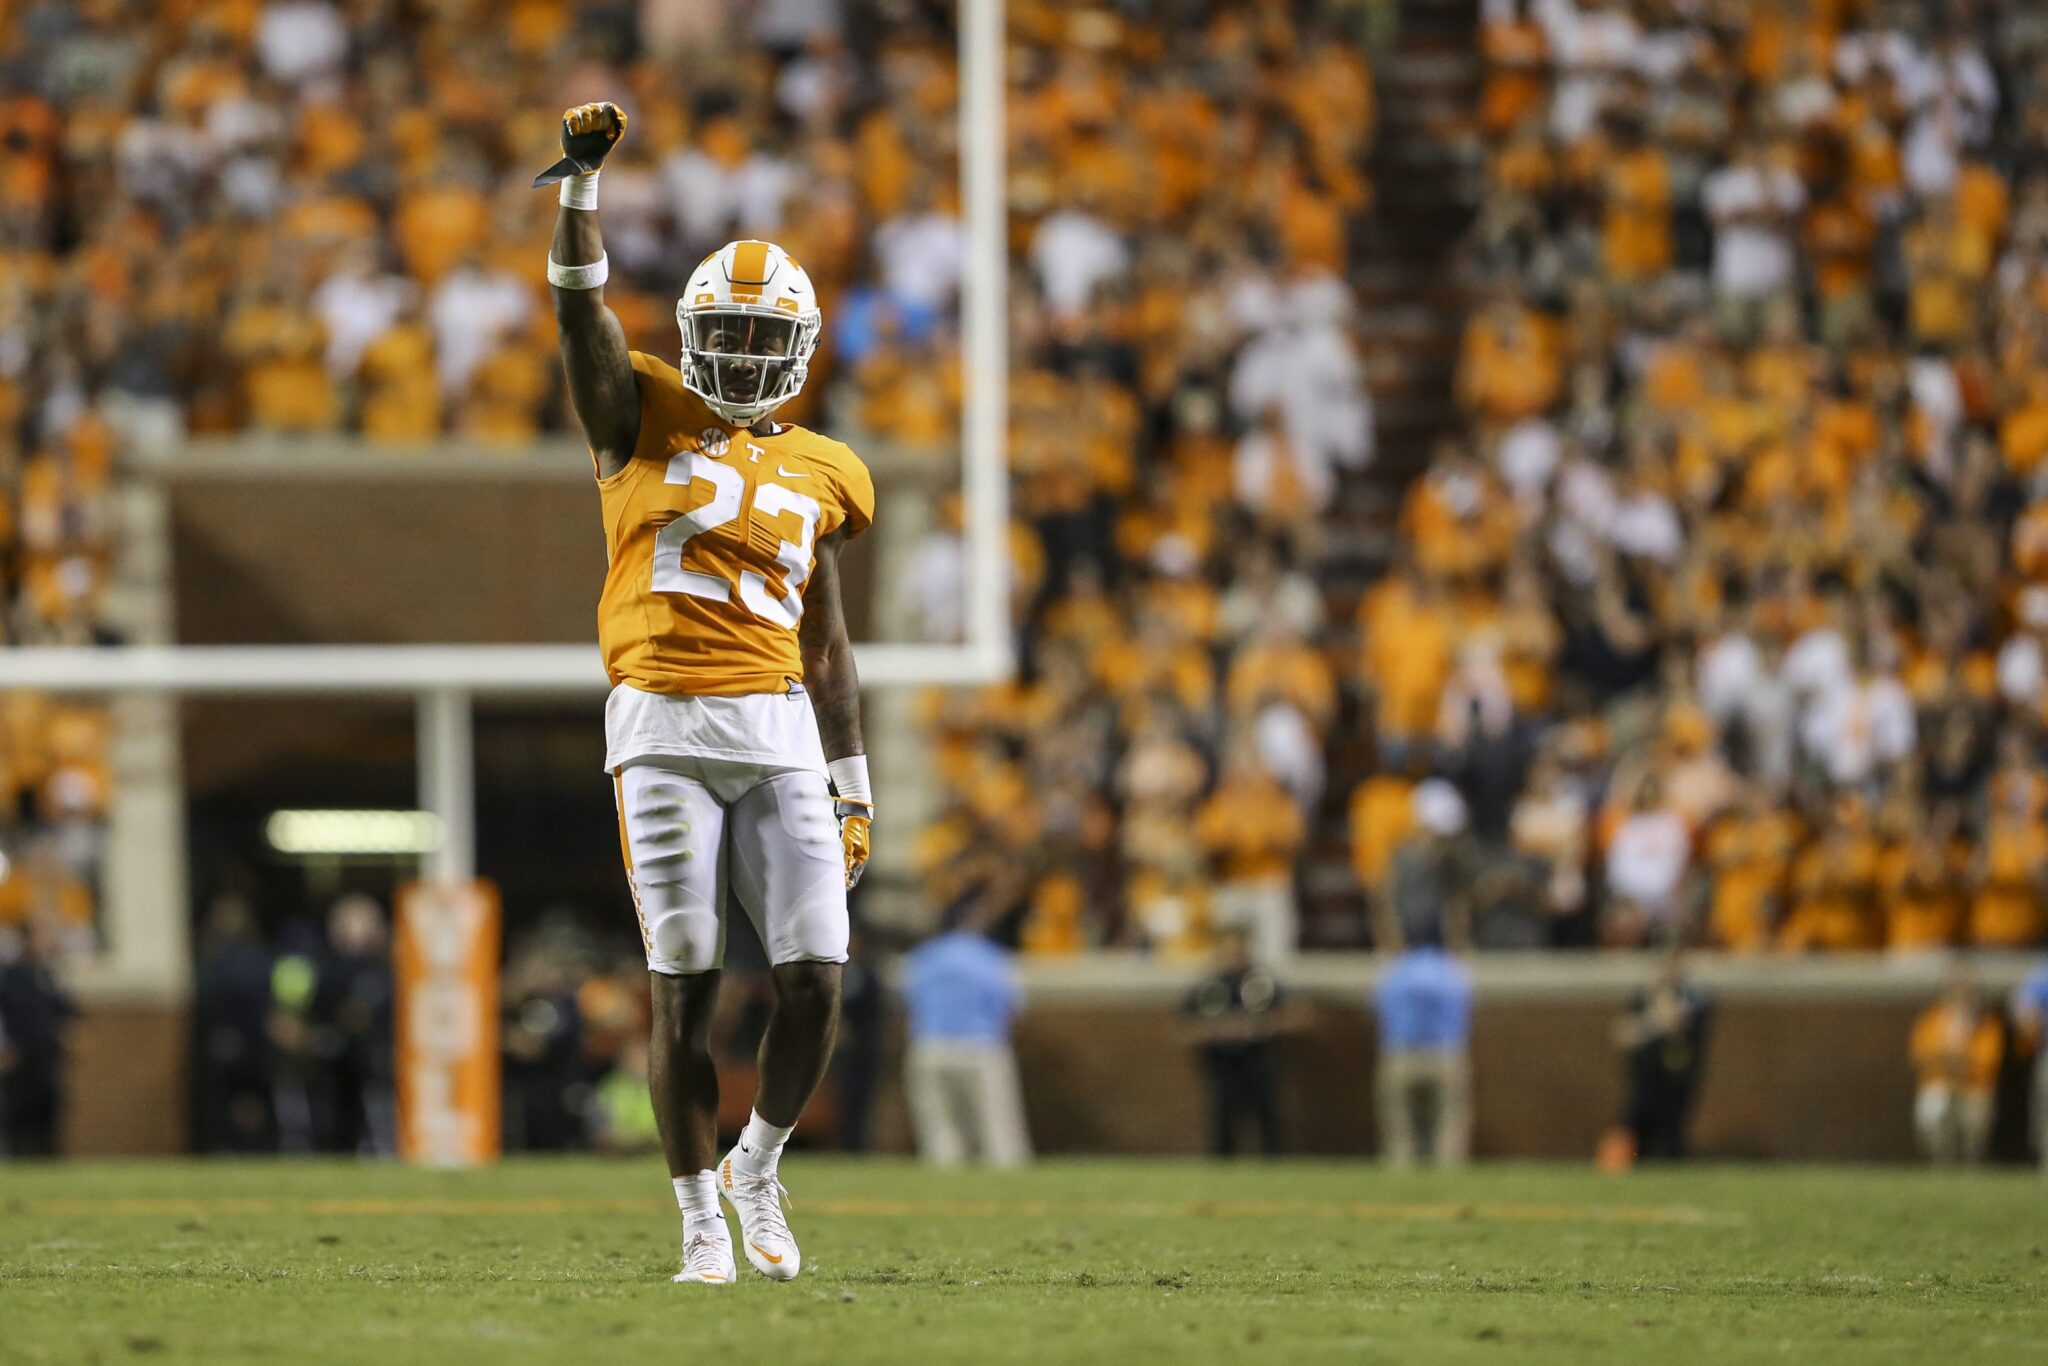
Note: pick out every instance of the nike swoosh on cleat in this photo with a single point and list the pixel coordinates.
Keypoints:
(792, 474)
(765, 1256)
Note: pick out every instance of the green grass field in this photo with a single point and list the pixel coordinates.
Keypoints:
(569, 1260)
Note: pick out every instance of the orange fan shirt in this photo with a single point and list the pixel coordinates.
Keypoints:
(711, 534)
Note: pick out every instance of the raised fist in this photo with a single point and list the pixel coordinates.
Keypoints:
(589, 132)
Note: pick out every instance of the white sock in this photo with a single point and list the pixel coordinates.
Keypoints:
(761, 1142)
(697, 1196)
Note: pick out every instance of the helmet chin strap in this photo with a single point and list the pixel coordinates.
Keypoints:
(743, 414)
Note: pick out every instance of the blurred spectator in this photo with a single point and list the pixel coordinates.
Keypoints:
(857, 1053)
(35, 1015)
(1424, 1078)
(1235, 1017)
(1550, 826)
(1753, 203)
(1253, 831)
(622, 1110)
(299, 1097)
(961, 996)
(231, 997)
(2030, 1028)
(1663, 1039)
(1647, 858)
(352, 1014)
(44, 888)
(1957, 1049)
(544, 1065)
(1442, 884)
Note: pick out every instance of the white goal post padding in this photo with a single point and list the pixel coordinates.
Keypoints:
(485, 670)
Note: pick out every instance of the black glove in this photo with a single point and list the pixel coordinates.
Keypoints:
(589, 132)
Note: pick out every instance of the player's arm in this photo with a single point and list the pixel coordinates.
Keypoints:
(602, 385)
(834, 686)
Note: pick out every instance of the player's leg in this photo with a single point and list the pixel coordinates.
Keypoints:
(1660, 1138)
(797, 1046)
(1928, 1121)
(927, 1089)
(789, 873)
(1397, 1119)
(1457, 1112)
(681, 1077)
(672, 835)
(1974, 1114)
(1222, 1117)
(1264, 1102)
(955, 1097)
(999, 1100)
(1937, 1105)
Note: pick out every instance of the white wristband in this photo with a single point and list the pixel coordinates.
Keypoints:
(579, 191)
(579, 277)
(850, 780)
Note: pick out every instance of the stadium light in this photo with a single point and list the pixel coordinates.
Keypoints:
(312, 833)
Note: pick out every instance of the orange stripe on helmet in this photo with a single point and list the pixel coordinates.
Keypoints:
(750, 263)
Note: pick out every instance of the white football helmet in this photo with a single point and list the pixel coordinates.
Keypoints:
(750, 321)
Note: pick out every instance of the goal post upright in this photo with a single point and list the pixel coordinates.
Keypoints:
(985, 340)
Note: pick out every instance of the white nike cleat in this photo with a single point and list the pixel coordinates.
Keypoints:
(757, 1200)
(707, 1257)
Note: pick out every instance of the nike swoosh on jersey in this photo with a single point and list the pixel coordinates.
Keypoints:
(792, 474)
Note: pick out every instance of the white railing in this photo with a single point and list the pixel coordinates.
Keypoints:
(366, 670)
(445, 680)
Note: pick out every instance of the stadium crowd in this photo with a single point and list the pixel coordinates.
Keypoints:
(56, 783)
(298, 217)
(1736, 562)
(1721, 617)
(293, 218)
(1189, 184)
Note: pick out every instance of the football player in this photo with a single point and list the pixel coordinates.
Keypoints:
(733, 729)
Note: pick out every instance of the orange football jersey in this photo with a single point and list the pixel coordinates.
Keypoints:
(711, 534)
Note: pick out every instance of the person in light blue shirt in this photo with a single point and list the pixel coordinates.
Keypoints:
(2030, 1015)
(1424, 1084)
(961, 995)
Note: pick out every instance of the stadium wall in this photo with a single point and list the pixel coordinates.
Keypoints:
(518, 534)
(1820, 1080)
(1807, 1060)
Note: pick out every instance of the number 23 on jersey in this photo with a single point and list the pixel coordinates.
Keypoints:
(710, 535)
(771, 502)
